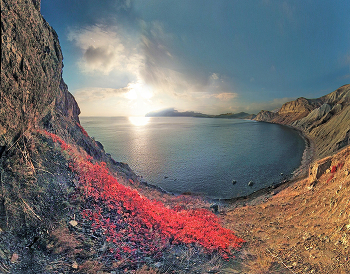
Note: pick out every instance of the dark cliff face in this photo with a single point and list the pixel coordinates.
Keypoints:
(31, 71)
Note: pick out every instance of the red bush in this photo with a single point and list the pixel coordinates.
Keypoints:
(82, 130)
(340, 165)
(137, 226)
(334, 169)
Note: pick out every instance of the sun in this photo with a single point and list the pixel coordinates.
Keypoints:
(140, 99)
(139, 121)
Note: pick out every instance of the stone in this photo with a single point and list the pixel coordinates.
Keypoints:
(251, 183)
(73, 223)
(234, 182)
(75, 265)
(215, 208)
(158, 264)
(14, 258)
(319, 168)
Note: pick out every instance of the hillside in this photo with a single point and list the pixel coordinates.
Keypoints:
(171, 112)
(65, 205)
(325, 120)
(304, 228)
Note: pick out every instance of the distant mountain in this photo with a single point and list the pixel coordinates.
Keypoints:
(171, 112)
(240, 115)
(325, 120)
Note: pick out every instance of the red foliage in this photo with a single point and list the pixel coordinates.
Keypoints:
(340, 165)
(337, 167)
(56, 139)
(82, 130)
(330, 178)
(334, 169)
(137, 226)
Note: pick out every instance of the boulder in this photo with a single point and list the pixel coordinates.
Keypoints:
(319, 168)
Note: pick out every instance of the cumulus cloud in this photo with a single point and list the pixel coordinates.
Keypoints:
(150, 65)
(214, 76)
(105, 49)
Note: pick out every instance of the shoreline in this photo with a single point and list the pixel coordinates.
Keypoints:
(262, 194)
(265, 193)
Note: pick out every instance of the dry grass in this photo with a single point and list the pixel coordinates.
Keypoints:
(146, 270)
(257, 261)
(302, 229)
(90, 267)
(65, 242)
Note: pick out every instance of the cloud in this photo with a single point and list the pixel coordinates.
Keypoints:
(151, 67)
(97, 93)
(269, 105)
(105, 49)
(214, 76)
(225, 96)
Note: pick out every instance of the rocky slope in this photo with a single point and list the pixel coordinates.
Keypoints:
(325, 120)
(42, 195)
(65, 205)
(304, 228)
(35, 178)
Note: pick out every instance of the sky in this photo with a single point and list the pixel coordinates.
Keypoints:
(130, 57)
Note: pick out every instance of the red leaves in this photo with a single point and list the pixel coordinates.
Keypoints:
(137, 226)
(82, 130)
(334, 169)
(56, 139)
(337, 167)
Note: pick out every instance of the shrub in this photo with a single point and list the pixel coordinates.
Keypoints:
(135, 226)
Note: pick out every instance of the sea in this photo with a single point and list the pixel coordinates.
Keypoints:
(213, 157)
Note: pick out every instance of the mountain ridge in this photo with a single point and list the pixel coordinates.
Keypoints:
(325, 120)
(172, 112)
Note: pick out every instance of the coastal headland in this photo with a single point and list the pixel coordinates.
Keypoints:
(66, 206)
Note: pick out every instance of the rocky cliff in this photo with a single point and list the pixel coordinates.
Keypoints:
(325, 120)
(65, 205)
(34, 103)
(31, 71)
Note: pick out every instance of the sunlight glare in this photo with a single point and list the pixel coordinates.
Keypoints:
(139, 121)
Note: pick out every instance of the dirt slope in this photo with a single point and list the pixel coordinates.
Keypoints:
(302, 229)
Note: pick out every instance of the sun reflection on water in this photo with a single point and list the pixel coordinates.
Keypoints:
(139, 121)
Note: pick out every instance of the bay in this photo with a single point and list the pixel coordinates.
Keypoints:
(200, 155)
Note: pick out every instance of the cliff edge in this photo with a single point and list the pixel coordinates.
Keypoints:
(65, 205)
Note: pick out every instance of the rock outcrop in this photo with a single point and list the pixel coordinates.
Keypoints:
(265, 116)
(34, 97)
(326, 120)
(31, 71)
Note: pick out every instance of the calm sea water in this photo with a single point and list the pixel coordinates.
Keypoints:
(200, 155)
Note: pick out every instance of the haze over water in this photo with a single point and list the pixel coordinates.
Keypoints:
(200, 155)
